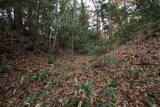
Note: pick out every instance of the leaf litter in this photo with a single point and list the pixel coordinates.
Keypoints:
(126, 76)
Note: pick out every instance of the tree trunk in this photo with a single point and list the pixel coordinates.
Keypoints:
(110, 28)
(18, 17)
(97, 21)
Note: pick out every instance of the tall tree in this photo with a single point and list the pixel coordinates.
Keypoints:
(18, 14)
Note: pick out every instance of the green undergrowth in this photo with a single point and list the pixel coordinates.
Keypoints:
(109, 60)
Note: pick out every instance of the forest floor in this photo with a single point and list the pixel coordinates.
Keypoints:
(128, 76)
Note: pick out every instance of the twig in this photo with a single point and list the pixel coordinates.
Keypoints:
(146, 64)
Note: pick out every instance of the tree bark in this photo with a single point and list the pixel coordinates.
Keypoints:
(18, 13)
